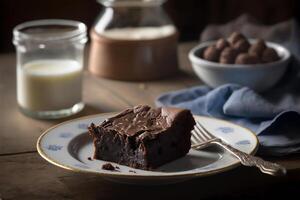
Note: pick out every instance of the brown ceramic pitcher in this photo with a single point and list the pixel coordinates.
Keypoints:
(134, 41)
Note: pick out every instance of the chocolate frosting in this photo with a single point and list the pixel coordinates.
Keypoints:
(142, 121)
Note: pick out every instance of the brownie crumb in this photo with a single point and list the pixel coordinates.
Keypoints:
(89, 158)
(117, 167)
(108, 166)
(132, 171)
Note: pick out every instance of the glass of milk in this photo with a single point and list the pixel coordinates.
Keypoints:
(49, 67)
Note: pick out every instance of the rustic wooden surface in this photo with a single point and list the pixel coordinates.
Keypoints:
(25, 175)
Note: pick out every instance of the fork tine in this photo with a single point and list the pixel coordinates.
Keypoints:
(205, 131)
(197, 137)
(198, 133)
(201, 132)
(197, 141)
(194, 139)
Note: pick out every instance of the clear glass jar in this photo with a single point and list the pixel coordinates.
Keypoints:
(133, 40)
(49, 67)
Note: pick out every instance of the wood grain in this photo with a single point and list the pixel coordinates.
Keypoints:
(28, 176)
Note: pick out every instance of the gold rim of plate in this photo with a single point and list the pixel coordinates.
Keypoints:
(139, 176)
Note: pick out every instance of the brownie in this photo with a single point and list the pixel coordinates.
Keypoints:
(143, 137)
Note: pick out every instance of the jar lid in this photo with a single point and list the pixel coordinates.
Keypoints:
(131, 2)
(50, 30)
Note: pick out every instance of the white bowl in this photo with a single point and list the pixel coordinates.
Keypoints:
(259, 77)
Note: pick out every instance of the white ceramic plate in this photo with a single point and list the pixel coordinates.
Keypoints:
(69, 146)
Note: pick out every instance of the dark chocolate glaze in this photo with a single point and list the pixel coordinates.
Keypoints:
(142, 120)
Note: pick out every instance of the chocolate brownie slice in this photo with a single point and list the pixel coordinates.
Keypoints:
(143, 137)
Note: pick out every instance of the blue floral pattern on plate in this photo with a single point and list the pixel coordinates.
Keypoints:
(81, 166)
(243, 142)
(65, 135)
(83, 126)
(54, 147)
(225, 129)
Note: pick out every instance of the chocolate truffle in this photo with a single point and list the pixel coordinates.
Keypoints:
(211, 53)
(222, 44)
(269, 55)
(234, 37)
(228, 56)
(258, 47)
(246, 58)
(241, 46)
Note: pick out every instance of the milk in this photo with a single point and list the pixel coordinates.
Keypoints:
(49, 85)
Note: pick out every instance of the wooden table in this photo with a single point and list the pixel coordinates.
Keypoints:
(25, 175)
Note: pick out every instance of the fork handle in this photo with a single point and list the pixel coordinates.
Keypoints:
(249, 160)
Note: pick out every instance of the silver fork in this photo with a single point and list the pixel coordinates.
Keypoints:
(202, 138)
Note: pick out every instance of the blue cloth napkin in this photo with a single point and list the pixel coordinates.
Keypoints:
(273, 116)
(277, 125)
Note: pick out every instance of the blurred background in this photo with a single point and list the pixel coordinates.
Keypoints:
(190, 16)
